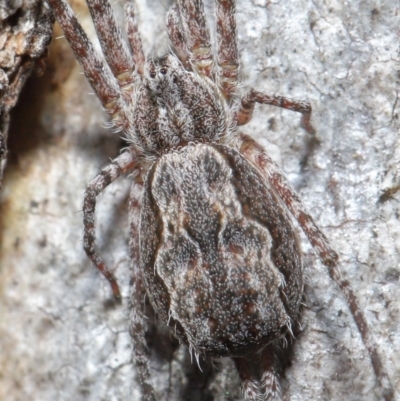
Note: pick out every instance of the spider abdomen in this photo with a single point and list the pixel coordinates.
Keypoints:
(215, 268)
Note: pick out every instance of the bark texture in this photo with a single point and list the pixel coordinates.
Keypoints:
(25, 32)
(61, 335)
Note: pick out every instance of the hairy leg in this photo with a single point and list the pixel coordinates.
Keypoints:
(174, 29)
(197, 35)
(96, 70)
(114, 47)
(227, 52)
(259, 376)
(125, 162)
(137, 299)
(269, 374)
(252, 97)
(250, 385)
(134, 38)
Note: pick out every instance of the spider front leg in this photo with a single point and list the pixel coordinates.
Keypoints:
(125, 162)
(134, 39)
(196, 35)
(97, 72)
(112, 43)
(249, 100)
(174, 29)
(111, 81)
(137, 298)
(227, 52)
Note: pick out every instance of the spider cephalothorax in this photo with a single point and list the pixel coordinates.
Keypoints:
(212, 242)
(174, 106)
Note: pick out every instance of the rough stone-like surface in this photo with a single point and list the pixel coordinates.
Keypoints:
(25, 32)
(61, 335)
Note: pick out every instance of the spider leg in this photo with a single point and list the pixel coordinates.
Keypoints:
(256, 154)
(137, 298)
(250, 385)
(134, 38)
(259, 376)
(114, 47)
(252, 97)
(269, 376)
(197, 35)
(227, 52)
(125, 162)
(175, 34)
(97, 72)
(336, 274)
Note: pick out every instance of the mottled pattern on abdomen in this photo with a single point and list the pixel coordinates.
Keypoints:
(216, 269)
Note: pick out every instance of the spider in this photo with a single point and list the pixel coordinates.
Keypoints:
(212, 244)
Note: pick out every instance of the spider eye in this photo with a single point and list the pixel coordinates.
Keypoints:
(163, 71)
(152, 74)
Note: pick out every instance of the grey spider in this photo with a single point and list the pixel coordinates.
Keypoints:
(211, 242)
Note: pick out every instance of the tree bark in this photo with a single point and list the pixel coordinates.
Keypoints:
(25, 32)
(61, 335)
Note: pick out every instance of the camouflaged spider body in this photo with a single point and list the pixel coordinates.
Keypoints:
(227, 281)
(212, 243)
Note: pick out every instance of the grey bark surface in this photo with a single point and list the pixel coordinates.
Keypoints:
(61, 335)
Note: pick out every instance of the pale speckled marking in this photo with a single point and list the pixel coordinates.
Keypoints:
(171, 108)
